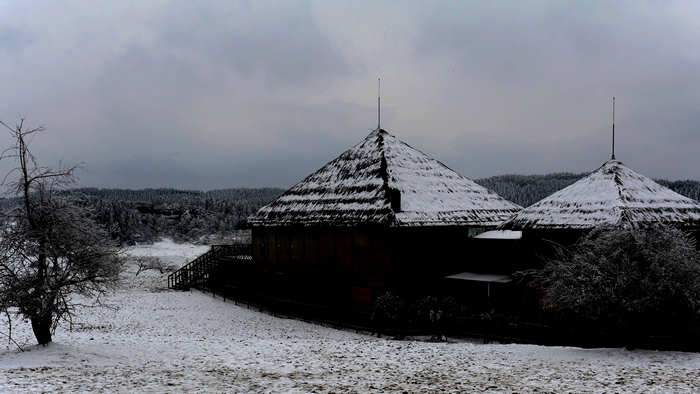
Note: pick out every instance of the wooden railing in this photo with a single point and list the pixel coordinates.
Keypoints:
(198, 271)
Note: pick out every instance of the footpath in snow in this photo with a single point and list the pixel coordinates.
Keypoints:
(156, 340)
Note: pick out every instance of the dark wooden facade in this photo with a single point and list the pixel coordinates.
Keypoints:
(363, 262)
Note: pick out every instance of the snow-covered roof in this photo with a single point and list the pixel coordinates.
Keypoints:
(611, 195)
(382, 180)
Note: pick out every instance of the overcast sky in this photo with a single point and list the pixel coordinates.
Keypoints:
(196, 94)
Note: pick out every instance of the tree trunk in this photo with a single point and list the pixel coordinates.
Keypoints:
(42, 328)
(41, 322)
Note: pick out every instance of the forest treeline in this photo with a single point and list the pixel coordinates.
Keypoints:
(146, 215)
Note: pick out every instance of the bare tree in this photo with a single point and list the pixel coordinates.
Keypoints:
(146, 263)
(50, 249)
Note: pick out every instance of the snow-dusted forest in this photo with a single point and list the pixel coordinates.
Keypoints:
(131, 216)
(153, 339)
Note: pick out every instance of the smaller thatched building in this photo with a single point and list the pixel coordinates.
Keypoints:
(612, 195)
(381, 215)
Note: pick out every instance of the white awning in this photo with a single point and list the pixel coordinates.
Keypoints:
(500, 234)
(475, 277)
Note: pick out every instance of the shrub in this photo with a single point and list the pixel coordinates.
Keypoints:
(437, 313)
(389, 312)
(146, 263)
(624, 276)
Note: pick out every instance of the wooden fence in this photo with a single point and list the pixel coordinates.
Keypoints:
(198, 272)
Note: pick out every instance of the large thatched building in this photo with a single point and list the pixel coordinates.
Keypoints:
(382, 214)
(612, 195)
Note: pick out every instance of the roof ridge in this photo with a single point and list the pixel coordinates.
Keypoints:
(384, 173)
(624, 215)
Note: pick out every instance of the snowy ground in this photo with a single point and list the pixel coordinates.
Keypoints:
(160, 340)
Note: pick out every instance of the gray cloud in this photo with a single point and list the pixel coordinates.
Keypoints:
(281, 43)
(210, 95)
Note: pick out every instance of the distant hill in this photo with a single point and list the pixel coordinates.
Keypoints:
(186, 215)
(526, 190)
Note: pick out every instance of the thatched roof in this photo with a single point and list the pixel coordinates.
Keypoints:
(611, 195)
(384, 181)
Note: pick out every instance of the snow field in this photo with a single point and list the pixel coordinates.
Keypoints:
(157, 340)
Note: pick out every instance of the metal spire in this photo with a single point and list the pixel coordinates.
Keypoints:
(379, 104)
(613, 131)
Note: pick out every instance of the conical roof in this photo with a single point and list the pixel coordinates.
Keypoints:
(613, 194)
(382, 180)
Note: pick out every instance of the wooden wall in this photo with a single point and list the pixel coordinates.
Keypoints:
(342, 250)
(376, 258)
